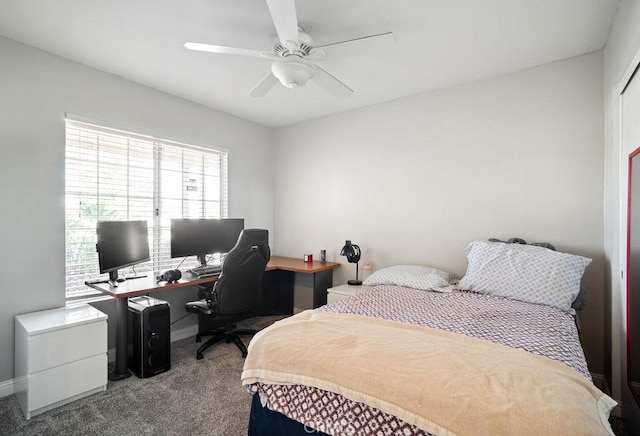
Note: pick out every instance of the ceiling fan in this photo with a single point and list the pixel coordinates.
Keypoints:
(294, 55)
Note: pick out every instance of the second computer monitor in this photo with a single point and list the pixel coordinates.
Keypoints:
(199, 237)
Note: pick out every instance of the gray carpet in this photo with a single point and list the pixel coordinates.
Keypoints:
(194, 397)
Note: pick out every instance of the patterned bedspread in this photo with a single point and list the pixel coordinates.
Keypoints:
(541, 330)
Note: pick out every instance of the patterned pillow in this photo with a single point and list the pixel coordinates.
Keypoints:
(524, 272)
(413, 276)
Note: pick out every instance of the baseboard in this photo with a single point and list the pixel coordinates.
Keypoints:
(6, 388)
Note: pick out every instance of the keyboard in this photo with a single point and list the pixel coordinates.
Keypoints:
(206, 270)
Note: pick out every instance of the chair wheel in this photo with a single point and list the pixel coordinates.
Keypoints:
(199, 356)
(198, 338)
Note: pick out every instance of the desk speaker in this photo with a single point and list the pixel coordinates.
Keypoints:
(149, 327)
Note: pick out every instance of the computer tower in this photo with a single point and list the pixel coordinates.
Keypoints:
(149, 327)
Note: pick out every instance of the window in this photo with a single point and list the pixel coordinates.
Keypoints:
(117, 175)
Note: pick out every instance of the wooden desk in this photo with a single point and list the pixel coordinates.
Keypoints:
(282, 279)
(278, 296)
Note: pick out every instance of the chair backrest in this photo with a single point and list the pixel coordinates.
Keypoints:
(239, 287)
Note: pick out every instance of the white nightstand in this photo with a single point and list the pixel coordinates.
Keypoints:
(341, 292)
(60, 356)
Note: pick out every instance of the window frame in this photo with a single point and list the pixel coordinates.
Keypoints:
(201, 195)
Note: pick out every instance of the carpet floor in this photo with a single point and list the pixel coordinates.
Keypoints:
(194, 397)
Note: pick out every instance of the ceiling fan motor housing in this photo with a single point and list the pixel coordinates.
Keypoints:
(301, 48)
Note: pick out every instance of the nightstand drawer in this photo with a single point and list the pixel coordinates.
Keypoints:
(59, 383)
(341, 292)
(332, 298)
(58, 347)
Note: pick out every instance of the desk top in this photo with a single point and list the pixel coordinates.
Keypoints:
(299, 265)
(145, 285)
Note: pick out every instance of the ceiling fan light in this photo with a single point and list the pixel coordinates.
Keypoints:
(293, 71)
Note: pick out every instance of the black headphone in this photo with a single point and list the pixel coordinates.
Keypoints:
(172, 275)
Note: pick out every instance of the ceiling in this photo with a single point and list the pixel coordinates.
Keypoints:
(438, 43)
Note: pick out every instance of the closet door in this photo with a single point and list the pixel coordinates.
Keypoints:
(630, 136)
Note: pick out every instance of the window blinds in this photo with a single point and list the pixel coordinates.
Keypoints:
(117, 175)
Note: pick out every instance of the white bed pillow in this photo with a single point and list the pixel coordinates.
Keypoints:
(524, 272)
(413, 276)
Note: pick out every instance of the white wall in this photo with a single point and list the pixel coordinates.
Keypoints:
(36, 90)
(415, 180)
(622, 46)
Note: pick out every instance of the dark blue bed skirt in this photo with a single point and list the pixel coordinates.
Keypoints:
(265, 422)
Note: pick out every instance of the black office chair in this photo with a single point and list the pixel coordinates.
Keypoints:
(236, 293)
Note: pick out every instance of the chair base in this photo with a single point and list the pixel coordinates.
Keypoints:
(230, 334)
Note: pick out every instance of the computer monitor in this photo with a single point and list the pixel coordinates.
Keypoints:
(199, 237)
(121, 244)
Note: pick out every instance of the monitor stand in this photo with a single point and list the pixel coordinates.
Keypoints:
(202, 258)
(113, 278)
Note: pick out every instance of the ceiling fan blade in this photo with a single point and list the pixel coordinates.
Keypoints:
(283, 14)
(331, 84)
(224, 50)
(264, 86)
(382, 37)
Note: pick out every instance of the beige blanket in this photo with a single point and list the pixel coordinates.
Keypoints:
(442, 382)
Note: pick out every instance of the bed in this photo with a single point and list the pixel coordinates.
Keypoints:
(422, 353)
